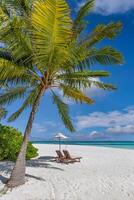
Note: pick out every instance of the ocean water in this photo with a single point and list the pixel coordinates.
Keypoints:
(113, 144)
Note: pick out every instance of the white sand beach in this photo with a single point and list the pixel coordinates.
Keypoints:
(102, 174)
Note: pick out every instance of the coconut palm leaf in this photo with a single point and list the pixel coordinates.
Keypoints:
(80, 79)
(21, 6)
(63, 112)
(81, 58)
(104, 56)
(27, 103)
(8, 69)
(82, 74)
(79, 23)
(75, 94)
(12, 94)
(102, 32)
(104, 86)
(3, 113)
(81, 83)
(52, 24)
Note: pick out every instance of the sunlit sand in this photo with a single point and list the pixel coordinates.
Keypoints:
(102, 174)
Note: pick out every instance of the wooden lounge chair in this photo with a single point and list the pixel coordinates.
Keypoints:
(61, 158)
(69, 157)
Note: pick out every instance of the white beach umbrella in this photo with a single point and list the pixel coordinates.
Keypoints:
(60, 136)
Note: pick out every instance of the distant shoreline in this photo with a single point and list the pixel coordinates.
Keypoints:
(113, 144)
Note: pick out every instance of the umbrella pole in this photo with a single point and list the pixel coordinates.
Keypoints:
(59, 144)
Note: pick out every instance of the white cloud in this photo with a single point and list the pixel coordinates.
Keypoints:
(121, 129)
(49, 124)
(43, 127)
(39, 128)
(124, 118)
(66, 100)
(93, 91)
(107, 7)
(95, 135)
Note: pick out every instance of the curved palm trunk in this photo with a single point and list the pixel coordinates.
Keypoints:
(18, 174)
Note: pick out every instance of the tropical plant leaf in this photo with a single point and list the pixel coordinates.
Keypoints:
(75, 94)
(82, 74)
(27, 103)
(53, 29)
(101, 32)
(83, 58)
(79, 23)
(8, 69)
(63, 112)
(3, 112)
(80, 79)
(104, 86)
(12, 94)
(104, 56)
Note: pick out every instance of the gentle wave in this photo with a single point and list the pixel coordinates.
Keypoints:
(113, 144)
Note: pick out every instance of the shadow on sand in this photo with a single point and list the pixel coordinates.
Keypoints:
(41, 162)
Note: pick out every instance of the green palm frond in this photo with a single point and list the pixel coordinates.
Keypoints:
(11, 7)
(5, 54)
(20, 45)
(4, 14)
(63, 112)
(15, 73)
(104, 56)
(80, 79)
(78, 83)
(101, 32)
(12, 94)
(82, 74)
(3, 84)
(101, 85)
(79, 23)
(53, 29)
(8, 69)
(87, 82)
(17, 28)
(82, 58)
(75, 94)
(3, 112)
(27, 103)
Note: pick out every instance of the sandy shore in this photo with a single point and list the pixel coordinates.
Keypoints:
(103, 174)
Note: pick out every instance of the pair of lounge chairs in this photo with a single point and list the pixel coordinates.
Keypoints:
(65, 157)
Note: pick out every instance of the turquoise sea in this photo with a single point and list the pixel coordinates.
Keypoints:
(113, 144)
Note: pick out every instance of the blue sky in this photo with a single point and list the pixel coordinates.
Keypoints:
(112, 115)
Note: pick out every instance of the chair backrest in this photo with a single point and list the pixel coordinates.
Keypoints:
(59, 153)
(67, 154)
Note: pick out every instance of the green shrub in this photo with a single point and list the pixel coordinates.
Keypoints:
(10, 142)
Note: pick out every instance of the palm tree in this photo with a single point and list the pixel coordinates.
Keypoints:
(43, 49)
(3, 113)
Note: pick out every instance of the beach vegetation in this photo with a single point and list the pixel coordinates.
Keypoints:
(10, 142)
